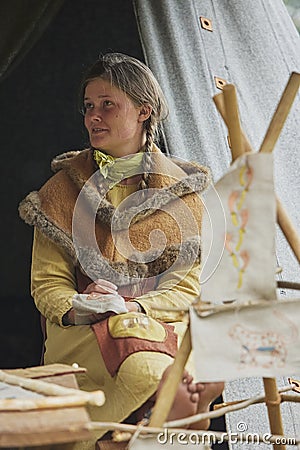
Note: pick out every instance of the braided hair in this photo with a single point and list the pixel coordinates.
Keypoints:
(138, 82)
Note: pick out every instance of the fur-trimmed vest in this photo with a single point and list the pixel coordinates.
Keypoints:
(153, 231)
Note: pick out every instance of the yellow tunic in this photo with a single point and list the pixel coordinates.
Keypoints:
(53, 286)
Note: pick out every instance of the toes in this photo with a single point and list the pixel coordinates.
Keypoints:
(192, 388)
(200, 387)
(194, 397)
(187, 378)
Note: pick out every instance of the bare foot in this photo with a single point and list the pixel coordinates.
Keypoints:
(208, 392)
(186, 399)
(190, 399)
(193, 398)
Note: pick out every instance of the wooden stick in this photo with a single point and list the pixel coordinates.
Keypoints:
(215, 307)
(268, 145)
(281, 113)
(233, 120)
(290, 398)
(273, 406)
(288, 229)
(96, 398)
(168, 391)
(220, 104)
(288, 285)
(218, 413)
(283, 397)
(33, 404)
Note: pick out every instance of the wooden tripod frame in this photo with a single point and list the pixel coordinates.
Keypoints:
(227, 106)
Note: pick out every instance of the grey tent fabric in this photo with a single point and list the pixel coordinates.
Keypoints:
(254, 45)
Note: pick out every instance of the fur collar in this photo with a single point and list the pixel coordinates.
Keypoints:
(170, 178)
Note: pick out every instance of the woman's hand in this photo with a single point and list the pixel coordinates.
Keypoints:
(133, 306)
(100, 290)
(69, 317)
(99, 287)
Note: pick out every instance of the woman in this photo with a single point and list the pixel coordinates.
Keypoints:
(116, 247)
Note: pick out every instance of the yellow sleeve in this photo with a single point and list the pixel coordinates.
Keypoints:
(175, 290)
(53, 281)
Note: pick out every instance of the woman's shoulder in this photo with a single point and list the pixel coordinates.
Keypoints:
(191, 167)
(50, 208)
(71, 170)
(70, 158)
(173, 172)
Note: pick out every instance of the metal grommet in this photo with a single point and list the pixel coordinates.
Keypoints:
(206, 23)
(220, 82)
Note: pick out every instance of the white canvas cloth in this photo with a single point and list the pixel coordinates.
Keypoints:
(261, 340)
(238, 234)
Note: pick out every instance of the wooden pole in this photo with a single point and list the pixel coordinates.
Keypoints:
(281, 113)
(268, 145)
(288, 285)
(273, 405)
(96, 397)
(41, 403)
(233, 120)
(168, 391)
(220, 104)
(288, 229)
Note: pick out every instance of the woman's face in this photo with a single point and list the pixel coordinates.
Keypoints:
(113, 121)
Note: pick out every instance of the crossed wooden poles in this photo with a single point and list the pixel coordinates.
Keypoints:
(227, 105)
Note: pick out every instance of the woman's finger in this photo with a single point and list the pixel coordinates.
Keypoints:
(102, 289)
(107, 284)
(96, 296)
(99, 289)
(103, 297)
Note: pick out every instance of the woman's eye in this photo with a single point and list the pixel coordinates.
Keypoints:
(107, 103)
(88, 106)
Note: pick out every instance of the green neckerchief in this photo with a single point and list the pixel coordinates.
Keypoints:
(116, 169)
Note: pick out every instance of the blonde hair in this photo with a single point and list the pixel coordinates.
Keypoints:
(138, 82)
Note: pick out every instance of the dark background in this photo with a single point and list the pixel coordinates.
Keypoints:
(39, 120)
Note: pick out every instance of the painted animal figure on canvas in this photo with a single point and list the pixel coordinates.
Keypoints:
(265, 348)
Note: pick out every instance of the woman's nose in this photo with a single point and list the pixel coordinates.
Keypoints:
(96, 114)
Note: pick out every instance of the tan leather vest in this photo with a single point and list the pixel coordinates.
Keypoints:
(170, 214)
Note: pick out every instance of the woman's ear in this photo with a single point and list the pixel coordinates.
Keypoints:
(145, 112)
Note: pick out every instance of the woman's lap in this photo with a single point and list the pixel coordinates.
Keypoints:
(136, 381)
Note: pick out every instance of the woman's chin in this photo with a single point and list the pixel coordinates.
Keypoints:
(97, 143)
